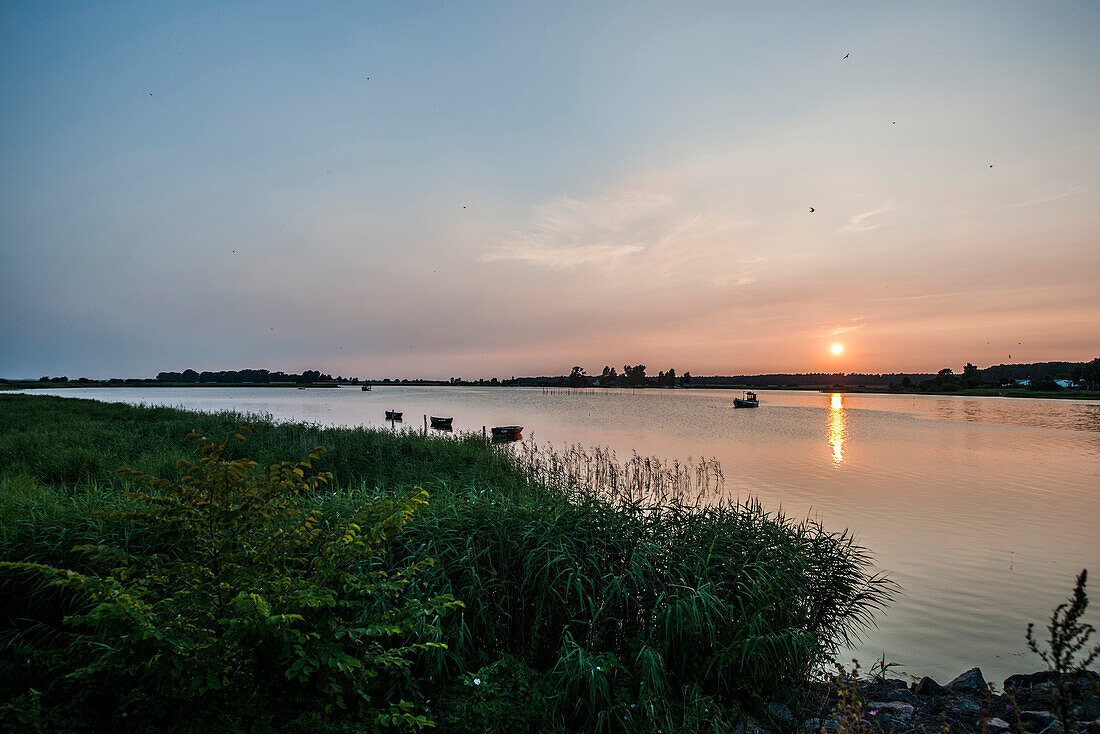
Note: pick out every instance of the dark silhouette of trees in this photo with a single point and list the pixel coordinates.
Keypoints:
(577, 378)
(635, 376)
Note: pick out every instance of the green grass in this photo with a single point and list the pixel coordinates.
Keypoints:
(619, 596)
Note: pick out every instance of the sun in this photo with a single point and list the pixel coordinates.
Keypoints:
(836, 348)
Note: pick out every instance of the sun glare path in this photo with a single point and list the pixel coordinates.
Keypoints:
(838, 427)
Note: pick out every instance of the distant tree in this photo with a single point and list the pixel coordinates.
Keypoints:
(577, 378)
(685, 379)
(635, 376)
(971, 375)
(1090, 373)
(906, 382)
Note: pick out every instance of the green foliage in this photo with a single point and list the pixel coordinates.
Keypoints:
(245, 610)
(1066, 650)
(880, 669)
(691, 607)
(503, 697)
(1068, 635)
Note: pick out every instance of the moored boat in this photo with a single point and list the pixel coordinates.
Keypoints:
(393, 415)
(441, 422)
(365, 388)
(748, 400)
(507, 433)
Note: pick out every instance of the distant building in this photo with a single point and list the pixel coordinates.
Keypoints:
(1065, 383)
(1022, 383)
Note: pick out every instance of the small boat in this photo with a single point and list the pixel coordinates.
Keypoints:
(507, 433)
(365, 388)
(301, 387)
(441, 422)
(747, 401)
(393, 415)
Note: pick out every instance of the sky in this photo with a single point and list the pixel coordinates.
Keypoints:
(493, 189)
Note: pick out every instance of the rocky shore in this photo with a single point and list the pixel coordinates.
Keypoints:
(1025, 703)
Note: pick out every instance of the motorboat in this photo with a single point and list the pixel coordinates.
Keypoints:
(747, 400)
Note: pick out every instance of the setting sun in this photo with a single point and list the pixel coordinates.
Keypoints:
(837, 348)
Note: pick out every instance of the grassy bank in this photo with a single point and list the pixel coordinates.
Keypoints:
(596, 596)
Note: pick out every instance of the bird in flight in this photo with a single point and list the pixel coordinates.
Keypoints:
(811, 210)
(847, 55)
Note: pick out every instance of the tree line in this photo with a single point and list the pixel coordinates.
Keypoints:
(631, 376)
(258, 377)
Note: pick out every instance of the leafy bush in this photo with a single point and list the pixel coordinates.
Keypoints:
(245, 610)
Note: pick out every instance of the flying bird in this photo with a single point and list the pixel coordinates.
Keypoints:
(811, 210)
(847, 55)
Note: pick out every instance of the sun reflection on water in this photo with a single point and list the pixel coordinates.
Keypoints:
(838, 428)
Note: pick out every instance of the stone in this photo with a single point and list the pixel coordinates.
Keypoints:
(903, 695)
(971, 681)
(1030, 680)
(1037, 720)
(1092, 727)
(780, 712)
(995, 725)
(964, 705)
(929, 687)
(1045, 677)
(891, 711)
(816, 725)
(896, 683)
(748, 725)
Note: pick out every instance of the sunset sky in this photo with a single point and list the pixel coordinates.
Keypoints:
(495, 189)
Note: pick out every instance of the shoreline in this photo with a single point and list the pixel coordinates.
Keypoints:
(968, 703)
(1082, 395)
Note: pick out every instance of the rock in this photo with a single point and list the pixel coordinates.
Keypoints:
(1092, 727)
(1046, 677)
(897, 711)
(963, 705)
(903, 695)
(816, 725)
(994, 724)
(929, 687)
(971, 681)
(748, 725)
(1030, 680)
(896, 683)
(779, 712)
(1037, 720)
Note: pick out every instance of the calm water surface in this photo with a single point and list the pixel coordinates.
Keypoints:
(982, 509)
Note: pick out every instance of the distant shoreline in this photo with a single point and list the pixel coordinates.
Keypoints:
(1088, 395)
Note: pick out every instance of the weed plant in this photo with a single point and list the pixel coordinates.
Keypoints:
(598, 596)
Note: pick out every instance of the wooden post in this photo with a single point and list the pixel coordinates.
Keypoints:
(425, 424)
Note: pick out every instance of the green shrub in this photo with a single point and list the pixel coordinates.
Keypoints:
(245, 611)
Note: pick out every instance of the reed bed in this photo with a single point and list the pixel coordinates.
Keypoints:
(600, 595)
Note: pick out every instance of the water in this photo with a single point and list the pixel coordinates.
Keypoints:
(982, 509)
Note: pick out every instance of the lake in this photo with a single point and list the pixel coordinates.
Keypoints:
(982, 509)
